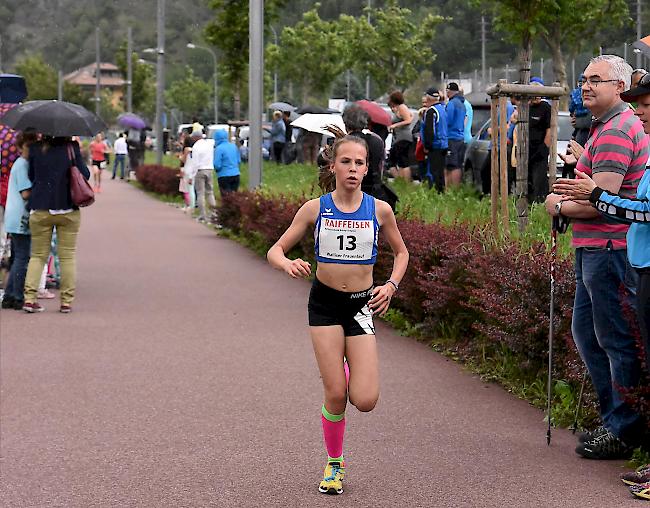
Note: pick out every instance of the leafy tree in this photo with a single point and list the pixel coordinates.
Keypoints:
(42, 81)
(392, 48)
(189, 95)
(228, 31)
(312, 53)
(143, 88)
(574, 24)
(559, 23)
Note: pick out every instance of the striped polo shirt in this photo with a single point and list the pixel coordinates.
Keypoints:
(616, 144)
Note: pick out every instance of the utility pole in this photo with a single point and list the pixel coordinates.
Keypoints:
(255, 92)
(368, 75)
(483, 64)
(638, 31)
(59, 94)
(98, 72)
(160, 81)
(129, 70)
(507, 73)
(541, 68)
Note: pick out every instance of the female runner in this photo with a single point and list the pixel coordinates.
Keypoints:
(343, 299)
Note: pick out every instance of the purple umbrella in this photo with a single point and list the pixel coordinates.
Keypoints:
(131, 121)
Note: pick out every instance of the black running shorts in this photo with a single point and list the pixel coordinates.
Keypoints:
(328, 307)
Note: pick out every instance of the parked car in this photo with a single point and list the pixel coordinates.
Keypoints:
(477, 154)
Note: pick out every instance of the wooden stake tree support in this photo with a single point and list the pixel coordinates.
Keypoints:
(499, 160)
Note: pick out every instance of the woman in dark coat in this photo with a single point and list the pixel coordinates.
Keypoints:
(51, 206)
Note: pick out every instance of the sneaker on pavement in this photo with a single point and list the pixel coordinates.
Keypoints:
(332, 482)
(65, 309)
(641, 475)
(605, 447)
(8, 302)
(588, 436)
(33, 307)
(641, 491)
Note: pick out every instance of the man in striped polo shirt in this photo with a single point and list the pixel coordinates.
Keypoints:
(615, 157)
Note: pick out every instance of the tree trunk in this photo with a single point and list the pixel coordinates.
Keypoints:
(525, 57)
(559, 63)
(304, 89)
(237, 100)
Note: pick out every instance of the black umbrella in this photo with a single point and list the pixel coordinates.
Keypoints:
(54, 118)
(315, 110)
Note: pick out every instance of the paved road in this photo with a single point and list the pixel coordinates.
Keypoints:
(185, 377)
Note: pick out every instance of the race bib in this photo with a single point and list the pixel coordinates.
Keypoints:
(346, 240)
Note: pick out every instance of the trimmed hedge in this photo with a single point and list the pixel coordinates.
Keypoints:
(159, 179)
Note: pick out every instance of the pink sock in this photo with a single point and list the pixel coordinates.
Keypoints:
(333, 432)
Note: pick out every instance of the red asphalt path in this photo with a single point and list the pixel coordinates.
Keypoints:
(185, 377)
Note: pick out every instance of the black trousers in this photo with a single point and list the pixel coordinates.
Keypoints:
(277, 151)
(228, 184)
(435, 174)
(643, 311)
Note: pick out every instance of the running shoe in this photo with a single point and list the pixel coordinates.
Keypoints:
(641, 475)
(605, 447)
(642, 491)
(65, 309)
(8, 302)
(33, 307)
(588, 436)
(333, 478)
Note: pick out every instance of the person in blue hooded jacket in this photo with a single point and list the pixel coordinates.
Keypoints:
(226, 162)
(456, 114)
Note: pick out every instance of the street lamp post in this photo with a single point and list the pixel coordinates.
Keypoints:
(214, 61)
(160, 82)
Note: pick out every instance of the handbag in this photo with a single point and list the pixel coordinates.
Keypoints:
(80, 191)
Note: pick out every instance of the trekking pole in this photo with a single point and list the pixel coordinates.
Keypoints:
(554, 227)
(582, 391)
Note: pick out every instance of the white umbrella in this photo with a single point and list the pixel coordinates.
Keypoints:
(316, 122)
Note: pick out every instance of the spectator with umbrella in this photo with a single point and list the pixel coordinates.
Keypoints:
(135, 127)
(50, 203)
(379, 119)
(278, 136)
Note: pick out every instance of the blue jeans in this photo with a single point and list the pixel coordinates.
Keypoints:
(20, 248)
(119, 159)
(605, 285)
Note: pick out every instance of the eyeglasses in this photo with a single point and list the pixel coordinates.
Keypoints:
(594, 82)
